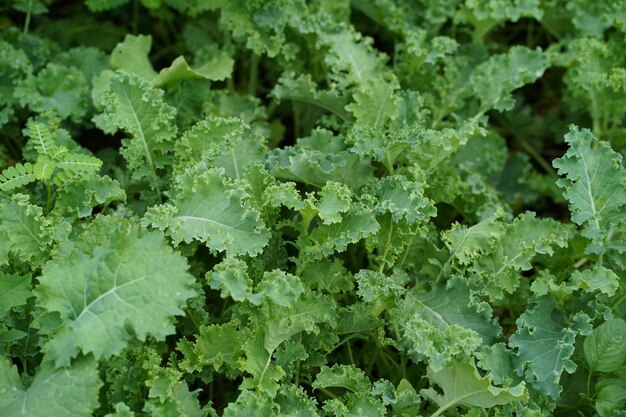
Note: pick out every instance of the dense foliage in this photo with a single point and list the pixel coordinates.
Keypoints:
(312, 208)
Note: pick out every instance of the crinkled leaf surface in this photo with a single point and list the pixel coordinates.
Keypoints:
(212, 211)
(594, 184)
(63, 392)
(134, 279)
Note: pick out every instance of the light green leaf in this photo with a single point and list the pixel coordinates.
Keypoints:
(57, 88)
(445, 324)
(466, 243)
(605, 347)
(64, 392)
(545, 343)
(494, 80)
(498, 271)
(250, 404)
(131, 55)
(598, 278)
(208, 209)
(334, 199)
(358, 223)
(610, 399)
(80, 197)
(300, 316)
(594, 184)
(23, 230)
(217, 69)
(344, 376)
(218, 346)
(133, 280)
(17, 176)
(131, 104)
(14, 291)
(121, 410)
(462, 385)
(302, 89)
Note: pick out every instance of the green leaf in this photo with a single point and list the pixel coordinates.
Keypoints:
(250, 404)
(17, 176)
(302, 89)
(104, 5)
(79, 198)
(57, 88)
(14, 291)
(218, 346)
(24, 232)
(545, 343)
(131, 104)
(131, 55)
(208, 209)
(445, 323)
(605, 347)
(64, 392)
(180, 70)
(40, 135)
(610, 399)
(344, 376)
(462, 385)
(494, 80)
(334, 199)
(134, 279)
(498, 271)
(300, 316)
(593, 180)
(466, 243)
(358, 223)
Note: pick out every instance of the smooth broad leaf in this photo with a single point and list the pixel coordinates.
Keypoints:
(62, 392)
(594, 184)
(14, 291)
(605, 347)
(132, 280)
(611, 398)
(131, 55)
(545, 343)
(462, 385)
(180, 70)
(133, 105)
(211, 210)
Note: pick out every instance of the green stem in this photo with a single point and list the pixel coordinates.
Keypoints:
(589, 384)
(350, 353)
(253, 75)
(27, 21)
(135, 23)
(618, 302)
(536, 156)
(328, 393)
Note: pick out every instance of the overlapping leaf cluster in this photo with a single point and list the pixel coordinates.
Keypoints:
(312, 208)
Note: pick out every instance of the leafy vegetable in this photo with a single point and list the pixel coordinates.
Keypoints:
(289, 208)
